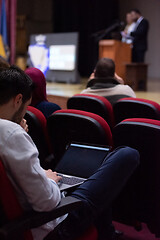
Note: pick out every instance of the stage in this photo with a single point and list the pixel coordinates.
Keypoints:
(60, 92)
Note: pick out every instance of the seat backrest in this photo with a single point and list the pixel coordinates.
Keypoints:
(143, 135)
(37, 125)
(9, 203)
(116, 97)
(136, 108)
(66, 126)
(93, 103)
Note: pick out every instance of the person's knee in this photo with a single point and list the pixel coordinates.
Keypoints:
(129, 155)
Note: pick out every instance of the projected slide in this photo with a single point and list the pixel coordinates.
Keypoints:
(56, 55)
(62, 57)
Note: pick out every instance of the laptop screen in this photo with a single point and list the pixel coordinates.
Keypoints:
(82, 160)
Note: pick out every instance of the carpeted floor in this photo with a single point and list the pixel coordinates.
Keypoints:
(131, 234)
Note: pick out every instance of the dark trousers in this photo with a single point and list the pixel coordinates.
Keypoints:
(138, 55)
(97, 194)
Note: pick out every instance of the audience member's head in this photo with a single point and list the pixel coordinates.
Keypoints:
(15, 93)
(105, 68)
(39, 93)
(135, 14)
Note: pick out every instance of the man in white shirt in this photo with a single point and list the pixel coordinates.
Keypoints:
(37, 188)
(18, 152)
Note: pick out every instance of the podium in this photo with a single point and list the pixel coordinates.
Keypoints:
(119, 52)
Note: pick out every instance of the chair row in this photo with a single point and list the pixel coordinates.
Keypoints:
(122, 109)
(72, 125)
(140, 198)
(53, 135)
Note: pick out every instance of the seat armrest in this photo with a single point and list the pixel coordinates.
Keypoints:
(32, 219)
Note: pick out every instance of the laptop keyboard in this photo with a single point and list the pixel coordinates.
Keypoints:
(70, 180)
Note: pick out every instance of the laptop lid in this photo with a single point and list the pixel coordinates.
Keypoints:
(81, 160)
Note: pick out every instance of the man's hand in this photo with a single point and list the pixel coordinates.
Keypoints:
(24, 125)
(118, 78)
(92, 76)
(53, 175)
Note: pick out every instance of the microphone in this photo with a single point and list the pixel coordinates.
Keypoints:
(100, 34)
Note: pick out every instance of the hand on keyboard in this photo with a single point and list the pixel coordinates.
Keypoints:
(53, 175)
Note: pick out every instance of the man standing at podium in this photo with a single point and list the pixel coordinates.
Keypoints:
(139, 35)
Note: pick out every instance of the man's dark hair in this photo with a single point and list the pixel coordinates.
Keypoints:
(12, 82)
(135, 10)
(105, 68)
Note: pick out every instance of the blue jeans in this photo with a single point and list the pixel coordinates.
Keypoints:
(97, 193)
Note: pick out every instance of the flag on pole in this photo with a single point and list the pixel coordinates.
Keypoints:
(3, 30)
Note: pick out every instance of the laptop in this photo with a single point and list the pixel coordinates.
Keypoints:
(78, 163)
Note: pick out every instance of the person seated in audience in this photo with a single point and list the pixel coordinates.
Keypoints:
(37, 188)
(39, 97)
(106, 83)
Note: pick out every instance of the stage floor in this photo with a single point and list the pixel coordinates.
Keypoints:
(60, 92)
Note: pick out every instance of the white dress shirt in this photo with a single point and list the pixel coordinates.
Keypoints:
(127, 38)
(33, 189)
(137, 23)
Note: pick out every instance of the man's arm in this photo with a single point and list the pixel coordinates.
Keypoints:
(53, 175)
(20, 157)
(118, 78)
(141, 30)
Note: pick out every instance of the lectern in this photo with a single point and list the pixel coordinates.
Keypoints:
(118, 51)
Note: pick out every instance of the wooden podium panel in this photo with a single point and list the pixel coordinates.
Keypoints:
(136, 76)
(118, 51)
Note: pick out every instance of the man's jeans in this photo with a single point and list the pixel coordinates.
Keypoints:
(97, 193)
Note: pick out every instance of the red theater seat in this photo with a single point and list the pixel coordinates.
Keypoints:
(140, 200)
(136, 108)
(9, 205)
(91, 234)
(94, 104)
(66, 126)
(37, 126)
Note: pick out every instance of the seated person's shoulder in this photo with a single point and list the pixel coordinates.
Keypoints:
(126, 90)
(47, 108)
(9, 125)
(10, 130)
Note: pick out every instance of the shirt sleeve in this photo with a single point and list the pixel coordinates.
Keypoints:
(21, 157)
